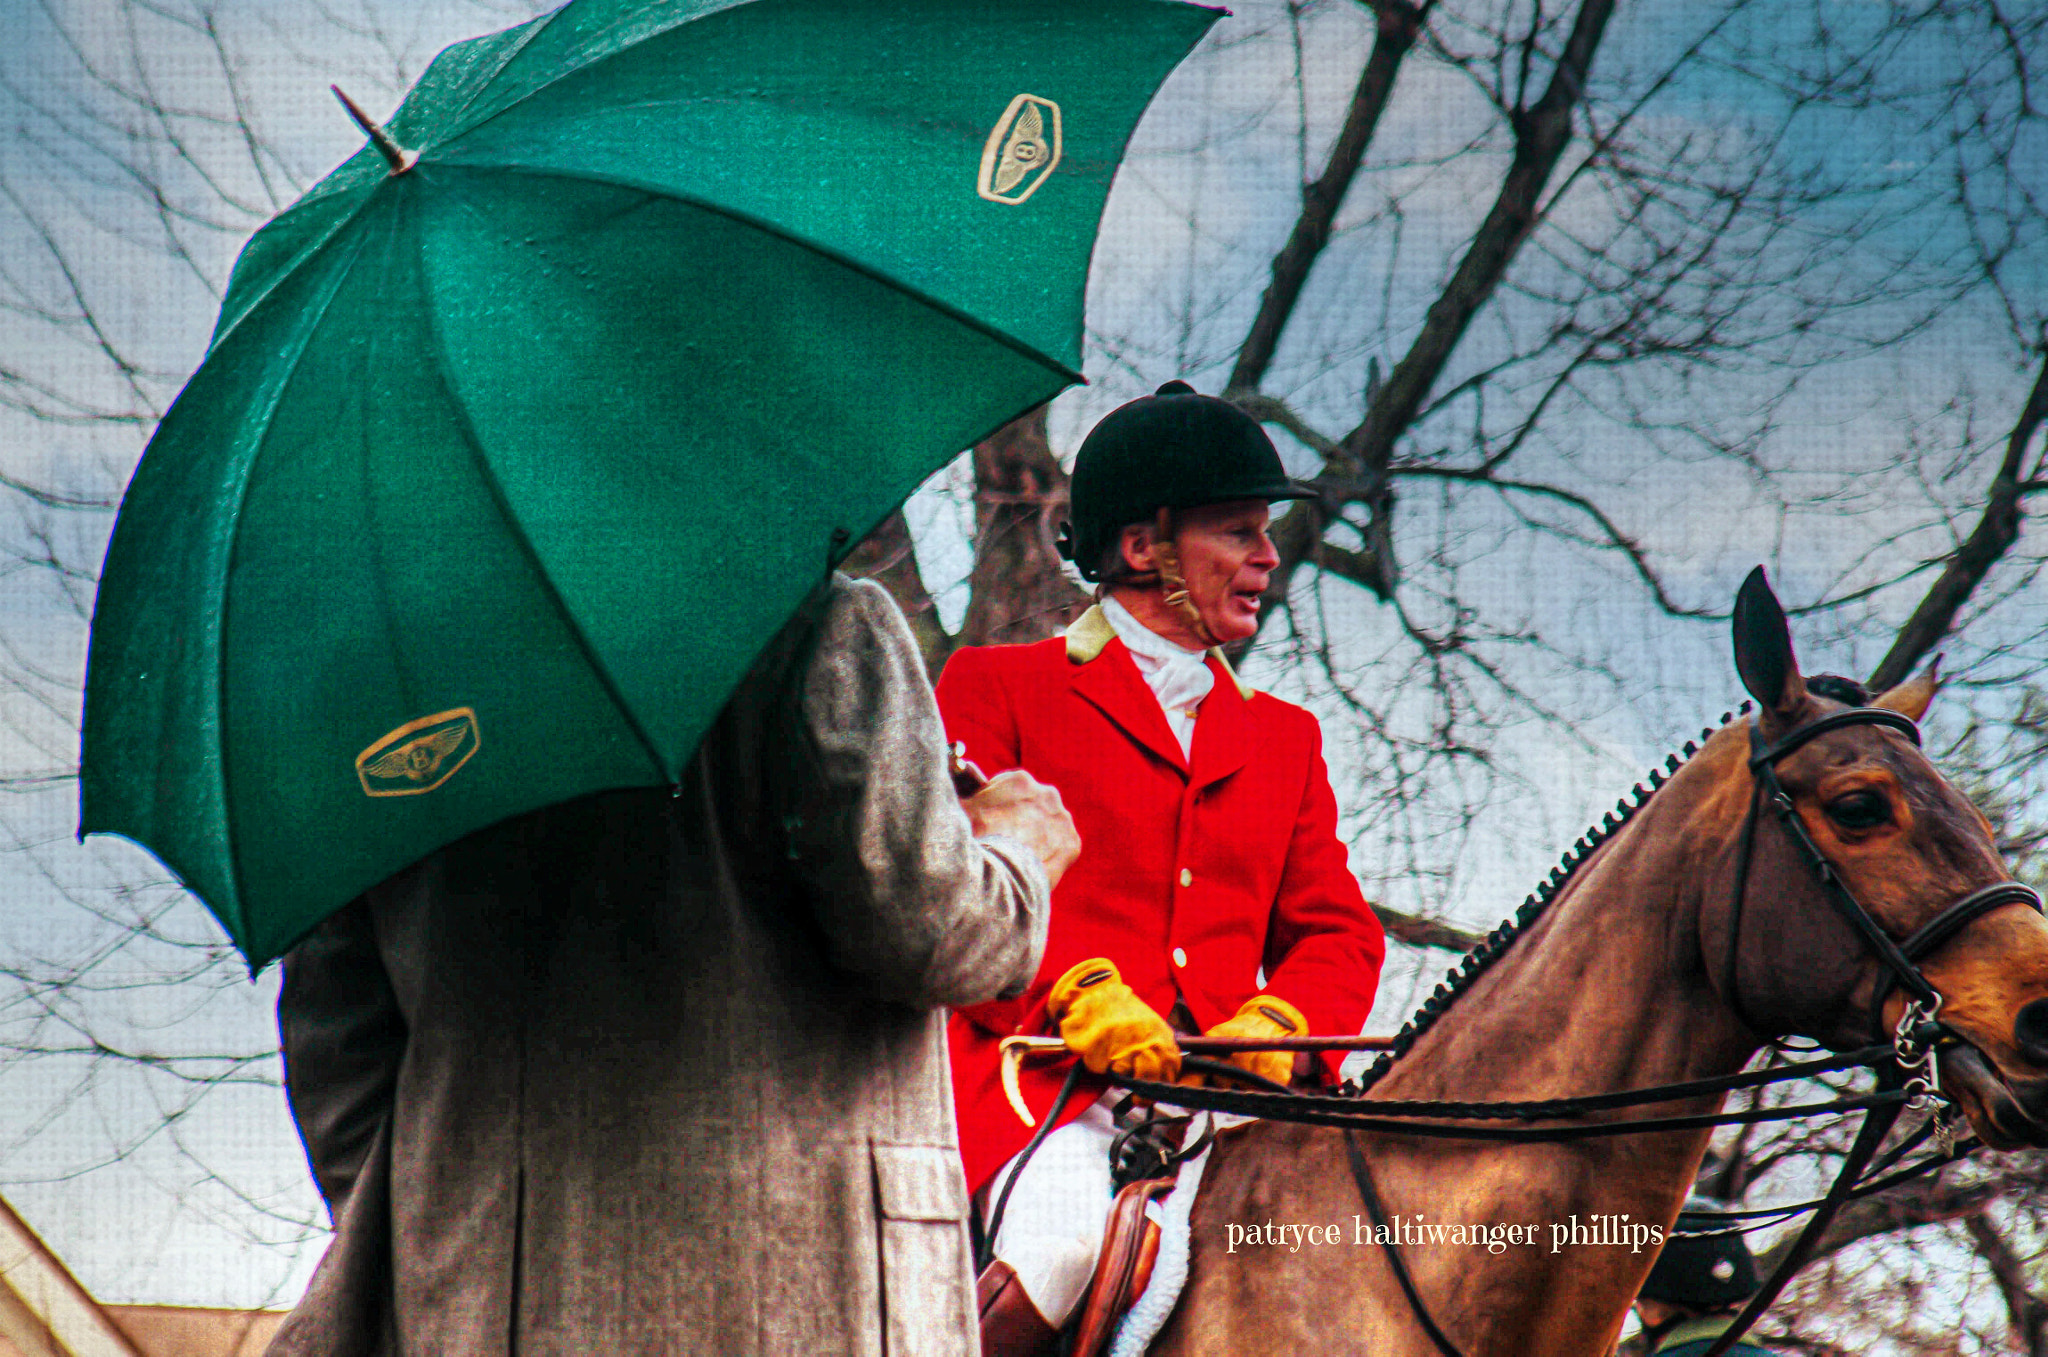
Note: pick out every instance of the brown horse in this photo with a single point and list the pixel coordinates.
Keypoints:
(1622, 982)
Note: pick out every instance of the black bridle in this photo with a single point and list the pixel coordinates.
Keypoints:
(1919, 1026)
(1898, 958)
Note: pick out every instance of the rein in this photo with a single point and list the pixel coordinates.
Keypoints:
(1348, 1104)
(1868, 1137)
(1341, 1111)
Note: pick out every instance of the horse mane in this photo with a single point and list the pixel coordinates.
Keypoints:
(1495, 944)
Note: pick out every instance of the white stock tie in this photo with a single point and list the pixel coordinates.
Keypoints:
(1179, 678)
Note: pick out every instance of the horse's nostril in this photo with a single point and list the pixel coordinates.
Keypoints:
(2030, 1031)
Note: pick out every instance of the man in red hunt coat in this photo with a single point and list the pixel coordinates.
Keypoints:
(1211, 889)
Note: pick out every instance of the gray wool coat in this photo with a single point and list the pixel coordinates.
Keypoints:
(665, 1073)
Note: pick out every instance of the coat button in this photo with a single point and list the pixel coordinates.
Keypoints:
(1180, 956)
(1187, 878)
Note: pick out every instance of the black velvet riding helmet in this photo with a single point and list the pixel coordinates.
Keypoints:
(1703, 1272)
(1174, 449)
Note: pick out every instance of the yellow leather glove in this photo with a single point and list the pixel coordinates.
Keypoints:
(1105, 1022)
(1261, 1016)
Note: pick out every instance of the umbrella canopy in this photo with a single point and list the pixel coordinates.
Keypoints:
(507, 459)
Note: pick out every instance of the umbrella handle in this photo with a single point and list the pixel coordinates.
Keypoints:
(967, 778)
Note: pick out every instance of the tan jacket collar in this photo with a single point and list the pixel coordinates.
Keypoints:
(1091, 633)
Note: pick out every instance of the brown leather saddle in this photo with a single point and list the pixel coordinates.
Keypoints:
(1145, 1158)
(1130, 1246)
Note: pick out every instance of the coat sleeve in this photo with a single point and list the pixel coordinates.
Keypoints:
(980, 713)
(343, 1037)
(904, 893)
(1325, 946)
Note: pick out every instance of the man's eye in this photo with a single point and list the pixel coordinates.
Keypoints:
(1860, 810)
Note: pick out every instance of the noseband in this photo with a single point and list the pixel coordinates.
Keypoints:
(1898, 958)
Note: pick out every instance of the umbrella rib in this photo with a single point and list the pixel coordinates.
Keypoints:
(312, 323)
(304, 258)
(488, 475)
(368, 190)
(770, 228)
(533, 29)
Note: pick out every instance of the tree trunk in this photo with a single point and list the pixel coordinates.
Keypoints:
(1541, 134)
(1018, 592)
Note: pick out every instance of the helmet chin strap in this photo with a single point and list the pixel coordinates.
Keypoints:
(1173, 582)
(1166, 574)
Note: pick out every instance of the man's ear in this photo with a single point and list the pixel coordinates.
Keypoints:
(1763, 655)
(1134, 541)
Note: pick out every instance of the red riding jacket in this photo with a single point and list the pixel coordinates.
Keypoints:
(1190, 880)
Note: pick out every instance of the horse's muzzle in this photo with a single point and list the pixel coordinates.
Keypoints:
(2006, 1113)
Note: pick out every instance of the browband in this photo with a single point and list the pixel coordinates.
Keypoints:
(1855, 716)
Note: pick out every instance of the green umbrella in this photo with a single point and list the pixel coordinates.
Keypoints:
(522, 433)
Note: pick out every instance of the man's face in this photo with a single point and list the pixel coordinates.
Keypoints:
(1227, 559)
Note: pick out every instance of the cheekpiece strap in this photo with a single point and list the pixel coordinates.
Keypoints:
(1763, 765)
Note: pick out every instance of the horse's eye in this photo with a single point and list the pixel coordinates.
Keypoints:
(1860, 810)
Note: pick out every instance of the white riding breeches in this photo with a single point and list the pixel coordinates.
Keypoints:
(1052, 1226)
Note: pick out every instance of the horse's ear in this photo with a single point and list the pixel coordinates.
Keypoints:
(1910, 699)
(1763, 651)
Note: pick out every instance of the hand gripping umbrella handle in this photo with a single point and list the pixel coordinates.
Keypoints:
(967, 778)
(1014, 1049)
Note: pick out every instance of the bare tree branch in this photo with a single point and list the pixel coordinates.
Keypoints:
(1417, 931)
(2029, 1314)
(1541, 135)
(1904, 1207)
(1998, 527)
(1398, 24)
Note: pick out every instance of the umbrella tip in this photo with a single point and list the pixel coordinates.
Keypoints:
(398, 157)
